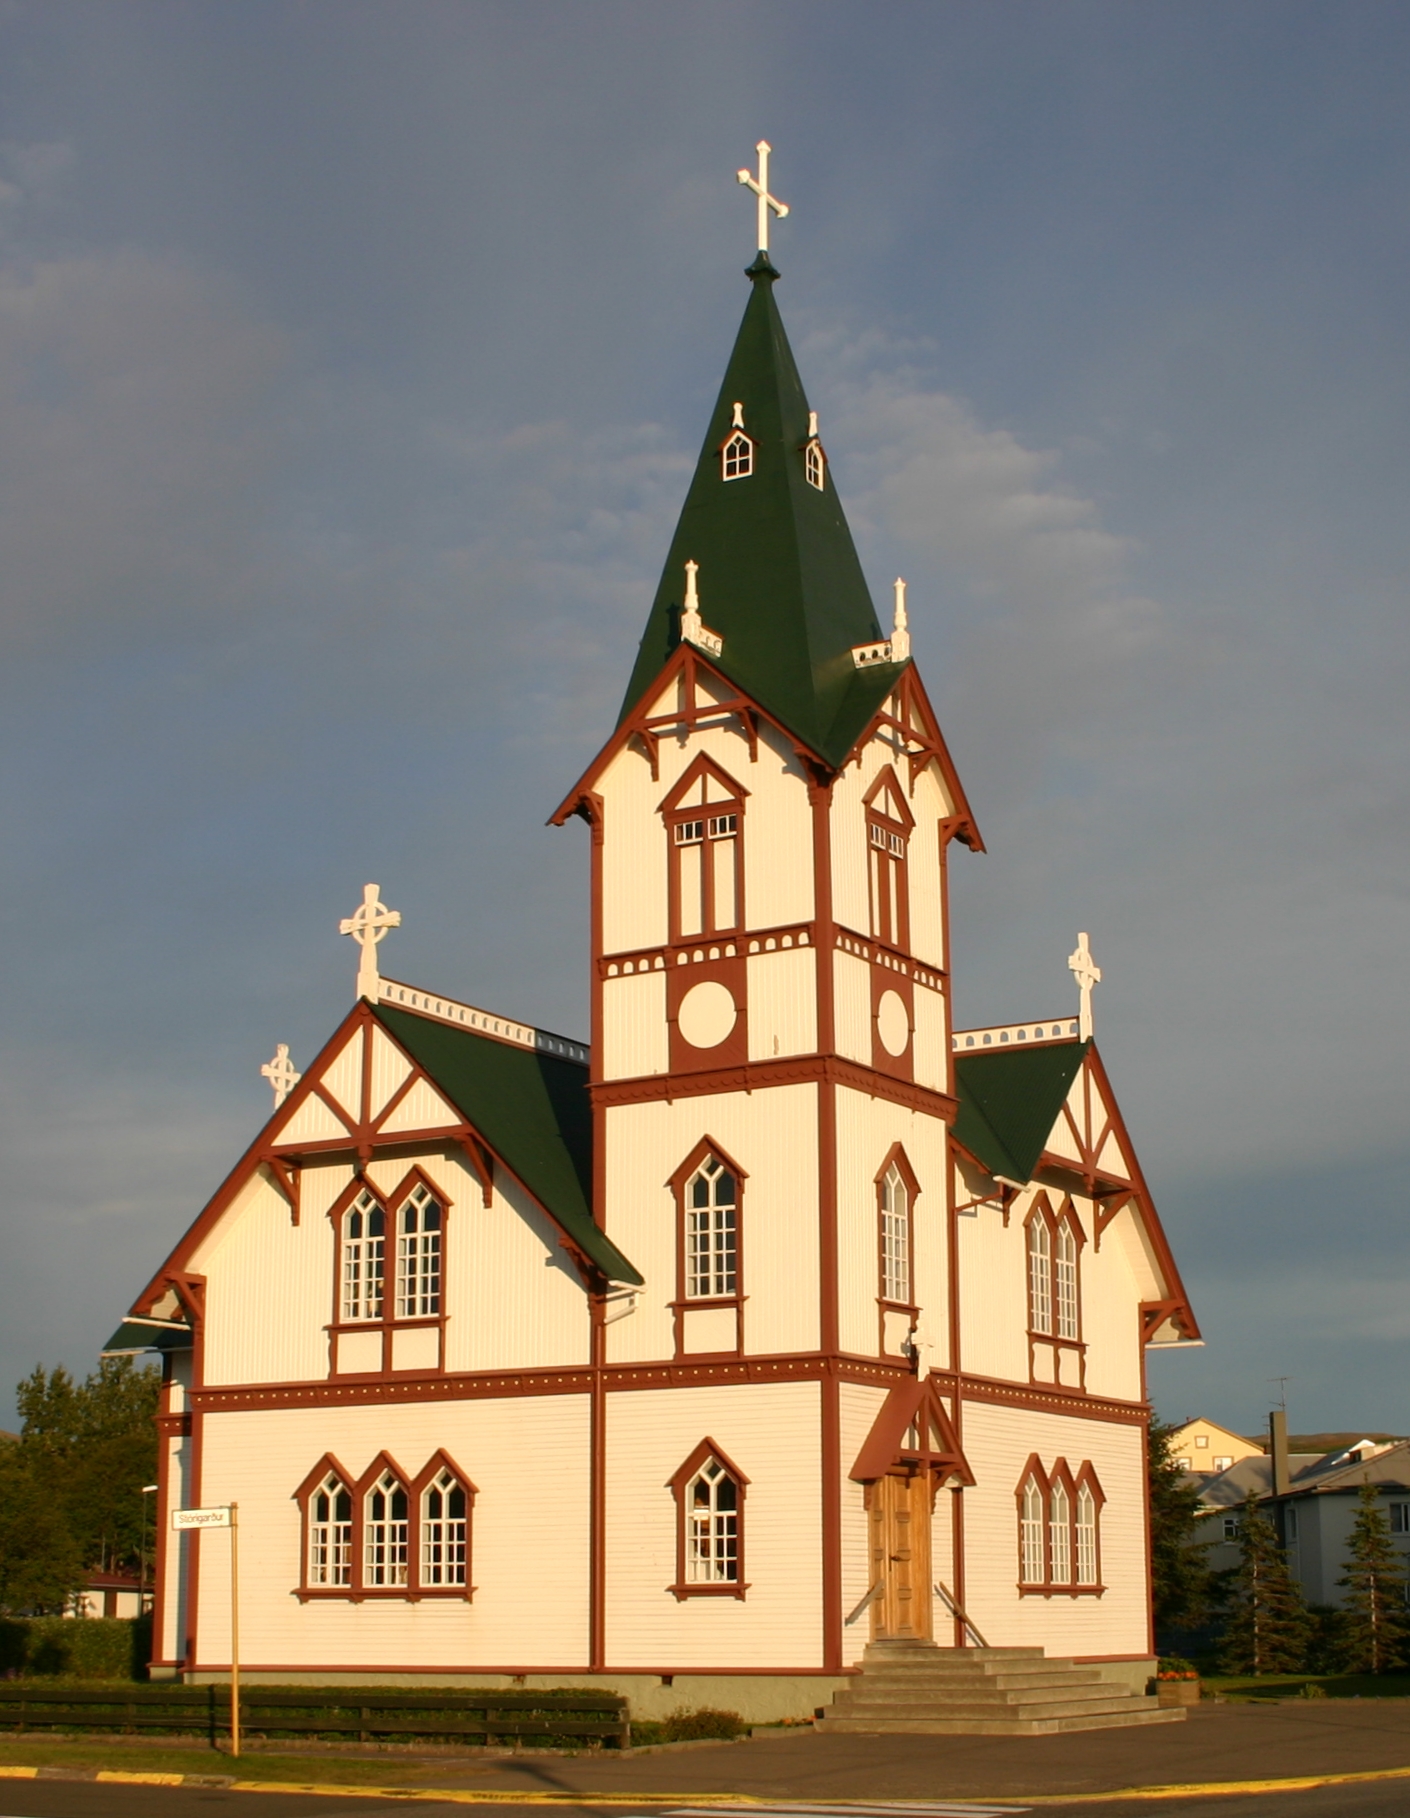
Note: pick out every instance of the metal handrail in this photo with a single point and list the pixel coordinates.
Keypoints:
(959, 1614)
(870, 1598)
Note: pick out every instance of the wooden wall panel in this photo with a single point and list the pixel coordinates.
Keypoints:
(859, 1406)
(635, 1037)
(778, 1624)
(778, 836)
(633, 855)
(851, 985)
(993, 1295)
(931, 1041)
(783, 1003)
(269, 1289)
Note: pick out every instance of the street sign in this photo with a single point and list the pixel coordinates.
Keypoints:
(201, 1518)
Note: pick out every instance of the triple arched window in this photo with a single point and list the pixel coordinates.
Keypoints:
(1059, 1514)
(386, 1533)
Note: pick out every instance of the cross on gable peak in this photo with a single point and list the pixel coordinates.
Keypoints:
(368, 925)
(1087, 973)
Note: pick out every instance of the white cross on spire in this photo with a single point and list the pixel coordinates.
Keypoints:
(281, 1074)
(1087, 973)
(760, 187)
(368, 925)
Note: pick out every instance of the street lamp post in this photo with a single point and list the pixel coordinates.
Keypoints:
(148, 1489)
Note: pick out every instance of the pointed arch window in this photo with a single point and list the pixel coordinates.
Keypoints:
(704, 816)
(364, 1257)
(329, 1544)
(712, 1232)
(1054, 1279)
(386, 1533)
(1065, 1280)
(737, 456)
(895, 1238)
(709, 1491)
(1040, 1275)
(445, 1532)
(1085, 1530)
(815, 465)
(1032, 1560)
(418, 1220)
(1059, 1533)
(889, 824)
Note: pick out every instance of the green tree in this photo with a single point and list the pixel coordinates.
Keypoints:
(1181, 1581)
(40, 1566)
(1269, 1629)
(91, 1446)
(1376, 1632)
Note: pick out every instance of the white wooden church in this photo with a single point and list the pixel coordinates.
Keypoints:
(779, 1318)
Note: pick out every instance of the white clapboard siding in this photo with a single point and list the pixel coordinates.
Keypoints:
(343, 1075)
(423, 1108)
(633, 854)
(772, 1136)
(930, 805)
(778, 1624)
(931, 1042)
(171, 1643)
(998, 1442)
(389, 1068)
(783, 1003)
(635, 1035)
(994, 1295)
(312, 1122)
(514, 1298)
(858, 1406)
(851, 1006)
(269, 1289)
(527, 1457)
(847, 826)
(778, 838)
(1110, 1294)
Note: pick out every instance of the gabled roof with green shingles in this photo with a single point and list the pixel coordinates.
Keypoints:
(533, 1111)
(1009, 1100)
(779, 577)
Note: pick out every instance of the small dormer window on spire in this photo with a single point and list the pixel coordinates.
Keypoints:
(737, 455)
(814, 460)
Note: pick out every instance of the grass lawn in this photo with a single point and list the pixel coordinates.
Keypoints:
(1334, 1685)
(200, 1758)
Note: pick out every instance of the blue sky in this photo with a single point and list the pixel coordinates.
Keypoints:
(353, 359)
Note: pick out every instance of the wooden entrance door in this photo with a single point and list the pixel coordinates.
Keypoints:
(900, 1558)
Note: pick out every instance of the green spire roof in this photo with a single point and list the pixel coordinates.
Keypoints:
(779, 577)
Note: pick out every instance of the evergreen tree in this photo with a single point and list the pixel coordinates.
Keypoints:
(1376, 1633)
(1181, 1581)
(40, 1566)
(1269, 1627)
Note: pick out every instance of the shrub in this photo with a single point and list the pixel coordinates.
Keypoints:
(98, 1647)
(704, 1725)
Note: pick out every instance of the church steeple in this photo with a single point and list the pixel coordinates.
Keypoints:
(776, 571)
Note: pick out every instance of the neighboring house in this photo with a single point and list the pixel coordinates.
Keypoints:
(712, 1347)
(110, 1594)
(1202, 1446)
(1315, 1511)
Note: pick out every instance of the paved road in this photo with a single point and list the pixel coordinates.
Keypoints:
(58, 1799)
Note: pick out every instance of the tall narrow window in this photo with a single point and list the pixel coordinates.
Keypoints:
(1086, 1530)
(895, 1238)
(704, 817)
(364, 1258)
(814, 467)
(330, 1533)
(737, 457)
(889, 823)
(1040, 1275)
(1065, 1281)
(712, 1526)
(1059, 1534)
(444, 1531)
(711, 1232)
(1031, 1533)
(385, 1530)
(419, 1254)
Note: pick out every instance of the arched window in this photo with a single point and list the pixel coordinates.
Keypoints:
(1086, 1530)
(1059, 1534)
(385, 1533)
(364, 1257)
(1040, 1274)
(889, 823)
(445, 1530)
(1030, 1530)
(737, 457)
(1065, 1280)
(711, 1232)
(895, 1238)
(330, 1512)
(814, 465)
(419, 1254)
(704, 817)
(712, 1526)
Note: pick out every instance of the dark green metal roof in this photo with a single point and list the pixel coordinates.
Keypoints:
(779, 576)
(531, 1108)
(1010, 1099)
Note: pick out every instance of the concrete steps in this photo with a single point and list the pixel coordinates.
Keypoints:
(918, 1689)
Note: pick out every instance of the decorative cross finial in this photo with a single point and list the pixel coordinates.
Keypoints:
(281, 1074)
(368, 925)
(1087, 973)
(760, 187)
(694, 630)
(900, 628)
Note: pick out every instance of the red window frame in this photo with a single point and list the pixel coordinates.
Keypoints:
(389, 1320)
(358, 1590)
(889, 824)
(678, 1484)
(701, 825)
(1072, 1484)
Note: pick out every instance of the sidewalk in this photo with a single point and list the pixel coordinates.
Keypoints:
(1233, 1742)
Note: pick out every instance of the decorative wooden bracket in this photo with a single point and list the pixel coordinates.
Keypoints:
(481, 1163)
(1107, 1208)
(287, 1178)
(1154, 1314)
